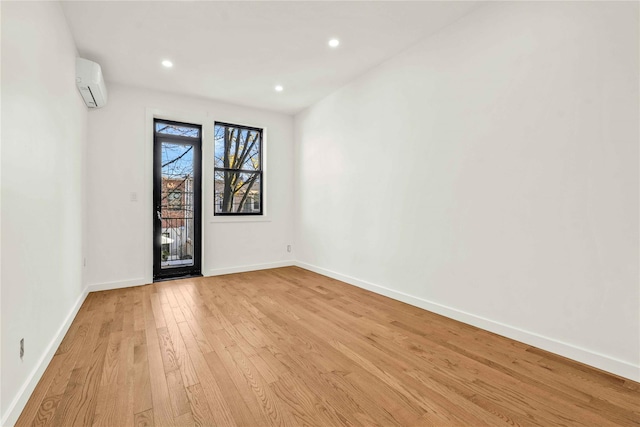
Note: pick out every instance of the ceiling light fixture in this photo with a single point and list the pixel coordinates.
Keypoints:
(167, 64)
(279, 88)
(334, 42)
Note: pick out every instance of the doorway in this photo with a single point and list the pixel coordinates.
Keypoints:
(177, 185)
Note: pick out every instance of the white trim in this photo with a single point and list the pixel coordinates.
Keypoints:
(17, 406)
(583, 355)
(97, 287)
(248, 218)
(598, 360)
(245, 268)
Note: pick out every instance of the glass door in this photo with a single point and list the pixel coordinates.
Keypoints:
(177, 200)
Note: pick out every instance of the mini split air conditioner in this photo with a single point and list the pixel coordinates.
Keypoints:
(90, 83)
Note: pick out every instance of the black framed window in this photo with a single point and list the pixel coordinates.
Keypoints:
(237, 170)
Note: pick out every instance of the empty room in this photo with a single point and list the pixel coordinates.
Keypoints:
(319, 213)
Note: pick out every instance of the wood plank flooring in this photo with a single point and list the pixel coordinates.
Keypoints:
(287, 347)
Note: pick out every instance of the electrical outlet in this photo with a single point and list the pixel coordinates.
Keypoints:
(21, 348)
(288, 248)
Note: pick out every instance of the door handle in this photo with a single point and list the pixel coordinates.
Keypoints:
(159, 216)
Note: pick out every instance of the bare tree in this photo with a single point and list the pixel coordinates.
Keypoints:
(238, 165)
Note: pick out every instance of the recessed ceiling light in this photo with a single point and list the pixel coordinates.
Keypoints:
(279, 88)
(167, 64)
(334, 42)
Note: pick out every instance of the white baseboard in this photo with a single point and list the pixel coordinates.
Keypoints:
(600, 361)
(245, 268)
(215, 272)
(15, 408)
(18, 404)
(117, 284)
(588, 357)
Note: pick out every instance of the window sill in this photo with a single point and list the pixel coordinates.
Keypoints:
(247, 218)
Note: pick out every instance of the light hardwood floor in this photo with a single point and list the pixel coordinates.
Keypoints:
(287, 347)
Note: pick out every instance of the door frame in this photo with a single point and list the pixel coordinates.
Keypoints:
(158, 273)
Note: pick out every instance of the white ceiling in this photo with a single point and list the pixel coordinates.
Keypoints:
(237, 51)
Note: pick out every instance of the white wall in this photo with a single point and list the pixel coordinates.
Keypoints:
(1, 413)
(490, 173)
(43, 134)
(119, 231)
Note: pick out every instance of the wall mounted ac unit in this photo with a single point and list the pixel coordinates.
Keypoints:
(90, 83)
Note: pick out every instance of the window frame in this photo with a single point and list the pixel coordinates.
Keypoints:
(158, 138)
(260, 172)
